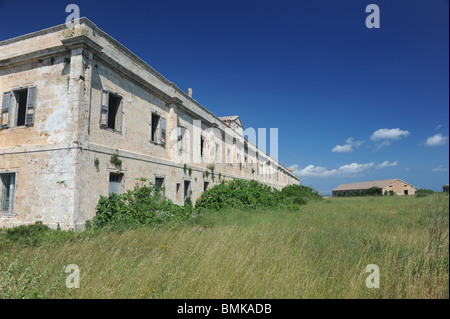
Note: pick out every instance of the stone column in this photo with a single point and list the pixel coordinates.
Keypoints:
(76, 90)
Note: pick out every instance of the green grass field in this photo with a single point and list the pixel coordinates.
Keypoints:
(320, 251)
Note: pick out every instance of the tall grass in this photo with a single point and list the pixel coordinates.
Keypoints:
(320, 251)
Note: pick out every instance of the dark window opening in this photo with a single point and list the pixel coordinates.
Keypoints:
(187, 190)
(21, 98)
(155, 125)
(7, 183)
(205, 186)
(115, 183)
(202, 144)
(159, 183)
(406, 192)
(113, 111)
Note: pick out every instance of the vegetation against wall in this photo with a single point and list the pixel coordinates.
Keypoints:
(146, 205)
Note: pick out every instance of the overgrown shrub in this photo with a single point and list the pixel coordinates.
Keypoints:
(300, 191)
(351, 194)
(146, 205)
(250, 195)
(424, 192)
(30, 235)
(237, 193)
(143, 205)
(297, 195)
(373, 191)
(37, 234)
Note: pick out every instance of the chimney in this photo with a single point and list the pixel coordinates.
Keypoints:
(190, 92)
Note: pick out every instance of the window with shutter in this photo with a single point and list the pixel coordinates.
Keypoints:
(7, 184)
(155, 129)
(21, 110)
(30, 106)
(5, 121)
(111, 111)
(104, 109)
(163, 131)
(115, 183)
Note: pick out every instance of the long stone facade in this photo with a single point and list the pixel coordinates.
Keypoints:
(82, 116)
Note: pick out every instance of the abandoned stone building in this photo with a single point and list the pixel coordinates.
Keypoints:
(82, 116)
(395, 185)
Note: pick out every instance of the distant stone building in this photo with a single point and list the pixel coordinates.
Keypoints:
(396, 185)
(72, 101)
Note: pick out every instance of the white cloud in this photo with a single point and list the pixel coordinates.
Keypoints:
(387, 164)
(388, 134)
(347, 170)
(342, 148)
(436, 140)
(349, 147)
(438, 127)
(440, 168)
(385, 136)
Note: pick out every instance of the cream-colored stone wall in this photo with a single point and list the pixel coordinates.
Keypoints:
(400, 187)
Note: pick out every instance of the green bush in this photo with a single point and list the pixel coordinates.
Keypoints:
(146, 205)
(252, 195)
(37, 235)
(29, 235)
(424, 192)
(373, 191)
(143, 205)
(351, 194)
(237, 193)
(296, 191)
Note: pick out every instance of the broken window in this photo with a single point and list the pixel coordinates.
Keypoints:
(111, 111)
(19, 104)
(202, 145)
(158, 129)
(159, 183)
(115, 183)
(187, 190)
(7, 184)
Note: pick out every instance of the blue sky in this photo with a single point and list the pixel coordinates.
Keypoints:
(351, 103)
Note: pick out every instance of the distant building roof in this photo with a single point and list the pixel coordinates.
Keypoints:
(367, 185)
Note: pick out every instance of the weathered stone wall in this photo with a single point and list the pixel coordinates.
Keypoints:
(57, 180)
(45, 187)
(43, 155)
(399, 188)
